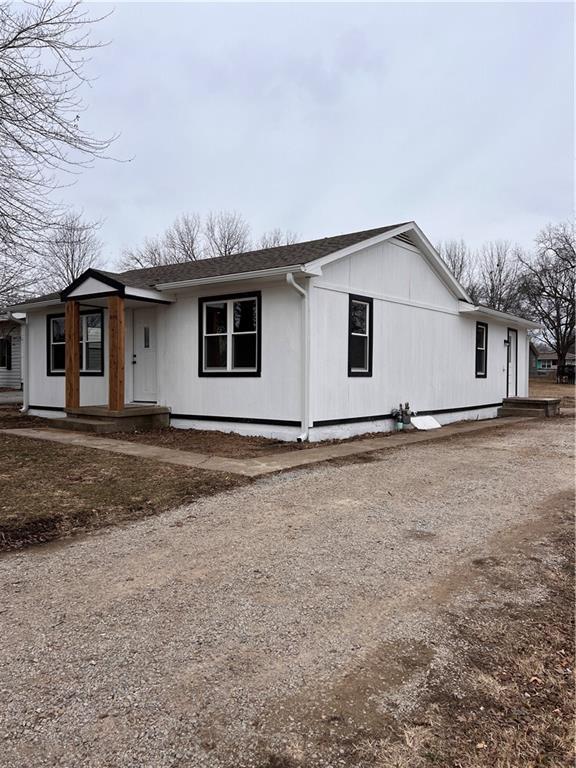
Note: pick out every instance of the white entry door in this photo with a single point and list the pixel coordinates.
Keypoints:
(144, 356)
(512, 367)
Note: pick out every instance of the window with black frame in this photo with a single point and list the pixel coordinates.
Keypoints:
(229, 341)
(360, 325)
(91, 344)
(481, 350)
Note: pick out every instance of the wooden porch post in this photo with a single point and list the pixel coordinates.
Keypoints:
(72, 364)
(116, 331)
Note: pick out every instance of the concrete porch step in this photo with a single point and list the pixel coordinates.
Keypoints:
(96, 426)
(517, 411)
(544, 406)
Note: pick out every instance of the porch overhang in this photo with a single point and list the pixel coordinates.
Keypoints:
(94, 284)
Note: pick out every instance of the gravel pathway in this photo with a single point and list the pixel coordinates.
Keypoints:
(206, 636)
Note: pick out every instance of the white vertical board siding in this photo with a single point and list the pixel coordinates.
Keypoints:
(423, 349)
(13, 377)
(274, 395)
(49, 391)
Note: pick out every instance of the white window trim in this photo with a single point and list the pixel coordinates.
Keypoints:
(229, 334)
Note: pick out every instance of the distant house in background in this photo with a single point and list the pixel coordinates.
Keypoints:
(546, 364)
(10, 353)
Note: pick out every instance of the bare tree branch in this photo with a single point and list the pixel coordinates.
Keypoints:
(43, 52)
(549, 285)
(226, 232)
(275, 237)
(72, 248)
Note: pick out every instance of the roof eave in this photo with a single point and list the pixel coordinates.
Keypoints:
(238, 276)
(479, 311)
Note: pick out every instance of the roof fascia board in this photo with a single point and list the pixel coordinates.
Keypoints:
(479, 311)
(35, 305)
(426, 246)
(147, 294)
(96, 275)
(238, 276)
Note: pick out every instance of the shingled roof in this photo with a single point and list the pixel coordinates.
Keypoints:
(294, 255)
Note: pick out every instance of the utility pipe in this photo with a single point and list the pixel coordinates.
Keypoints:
(305, 344)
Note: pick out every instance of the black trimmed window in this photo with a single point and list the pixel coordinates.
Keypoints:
(481, 350)
(91, 344)
(229, 341)
(360, 325)
(6, 353)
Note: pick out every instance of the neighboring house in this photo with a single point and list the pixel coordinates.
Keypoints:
(307, 341)
(547, 361)
(10, 353)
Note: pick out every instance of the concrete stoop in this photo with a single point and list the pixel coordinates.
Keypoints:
(100, 420)
(530, 406)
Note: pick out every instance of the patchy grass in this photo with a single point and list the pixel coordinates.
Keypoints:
(512, 703)
(547, 388)
(51, 490)
(505, 700)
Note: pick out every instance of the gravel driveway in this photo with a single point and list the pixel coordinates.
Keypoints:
(220, 632)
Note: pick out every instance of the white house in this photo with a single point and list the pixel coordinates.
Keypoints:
(312, 340)
(10, 358)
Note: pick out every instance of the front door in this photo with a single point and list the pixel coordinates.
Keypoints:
(512, 366)
(144, 356)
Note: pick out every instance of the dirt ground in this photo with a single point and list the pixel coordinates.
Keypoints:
(411, 611)
(48, 491)
(547, 388)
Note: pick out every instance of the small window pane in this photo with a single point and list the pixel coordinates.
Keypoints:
(93, 328)
(215, 351)
(3, 353)
(245, 315)
(358, 317)
(359, 352)
(146, 337)
(93, 356)
(216, 318)
(480, 361)
(244, 351)
(58, 329)
(480, 337)
(58, 357)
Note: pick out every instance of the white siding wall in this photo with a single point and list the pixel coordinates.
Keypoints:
(13, 377)
(424, 350)
(274, 395)
(49, 391)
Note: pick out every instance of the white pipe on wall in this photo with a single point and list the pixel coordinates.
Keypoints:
(305, 345)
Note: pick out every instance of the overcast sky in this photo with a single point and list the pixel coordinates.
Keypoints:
(330, 118)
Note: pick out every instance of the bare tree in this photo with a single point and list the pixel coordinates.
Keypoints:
(462, 263)
(181, 242)
(18, 275)
(549, 285)
(226, 232)
(71, 249)
(43, 48)
(276, 237)
(499, 276)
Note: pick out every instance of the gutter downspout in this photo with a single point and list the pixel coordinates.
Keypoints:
(23, 360)
(305, 342)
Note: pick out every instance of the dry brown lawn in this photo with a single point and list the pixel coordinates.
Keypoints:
(49, 490)
(547, 388)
